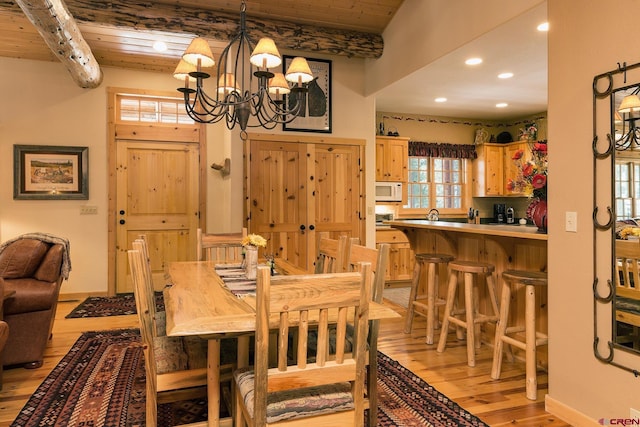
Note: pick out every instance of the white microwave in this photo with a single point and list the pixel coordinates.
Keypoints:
(388, 191)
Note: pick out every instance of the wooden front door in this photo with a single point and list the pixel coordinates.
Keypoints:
(157, 195)
(299, 188)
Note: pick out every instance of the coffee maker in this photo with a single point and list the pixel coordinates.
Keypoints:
(500, 213)
(511, 219)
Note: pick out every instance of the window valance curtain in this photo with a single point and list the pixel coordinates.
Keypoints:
(434, 149)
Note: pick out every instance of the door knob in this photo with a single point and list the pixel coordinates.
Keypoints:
(302, 227)
(311, 227)
(122, 221)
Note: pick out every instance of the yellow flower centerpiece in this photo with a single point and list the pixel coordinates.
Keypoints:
(250, 245)
(254, 240)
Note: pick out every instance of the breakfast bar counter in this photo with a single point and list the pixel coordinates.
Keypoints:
(507, 247)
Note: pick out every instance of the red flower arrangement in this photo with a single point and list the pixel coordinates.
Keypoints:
(532, 174)
(532, 181)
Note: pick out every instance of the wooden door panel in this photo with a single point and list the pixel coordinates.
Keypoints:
(277, 205)
(337, 189)
(157, 196)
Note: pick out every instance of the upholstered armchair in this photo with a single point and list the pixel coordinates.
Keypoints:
(33, 267)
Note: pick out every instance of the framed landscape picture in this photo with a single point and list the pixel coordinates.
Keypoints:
(317, 111)
(46, 172)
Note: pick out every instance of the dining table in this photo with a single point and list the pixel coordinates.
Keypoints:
(198, 302)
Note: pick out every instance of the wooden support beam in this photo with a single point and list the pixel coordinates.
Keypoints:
(145, 15)
(60, 32)
(220, 26)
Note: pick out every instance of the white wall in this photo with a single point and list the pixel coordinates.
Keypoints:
(423, 31)
(585, 40)
(41, 105)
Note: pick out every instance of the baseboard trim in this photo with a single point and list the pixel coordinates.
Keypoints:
(80, 296)
(568, 414)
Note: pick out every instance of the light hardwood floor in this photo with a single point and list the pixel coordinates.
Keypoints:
(497, 402)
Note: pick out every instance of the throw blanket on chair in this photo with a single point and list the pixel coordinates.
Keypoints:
(51, 239)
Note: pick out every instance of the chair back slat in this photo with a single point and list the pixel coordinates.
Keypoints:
(226, 247)
(330, 254)
(378, 258)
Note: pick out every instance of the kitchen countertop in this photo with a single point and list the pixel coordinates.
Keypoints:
(503, 230)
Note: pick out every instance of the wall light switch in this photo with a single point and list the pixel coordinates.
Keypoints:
(571, 222)
(370, 210)
(88, 210)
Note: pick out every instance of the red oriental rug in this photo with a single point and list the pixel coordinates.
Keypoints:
(101, 382)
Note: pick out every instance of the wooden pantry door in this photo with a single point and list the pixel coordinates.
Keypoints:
(157, 195)
(300, 186)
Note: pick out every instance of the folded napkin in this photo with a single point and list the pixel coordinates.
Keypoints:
(235, 279)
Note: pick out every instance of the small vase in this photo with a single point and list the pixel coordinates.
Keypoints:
(251, 261)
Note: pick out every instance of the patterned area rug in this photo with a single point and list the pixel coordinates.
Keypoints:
(100, 382)
(119, 305)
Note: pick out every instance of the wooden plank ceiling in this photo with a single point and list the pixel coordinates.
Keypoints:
(120, 33)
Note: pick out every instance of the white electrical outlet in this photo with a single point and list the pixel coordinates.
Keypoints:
(571, 222)
(370, 210)
(88, 210)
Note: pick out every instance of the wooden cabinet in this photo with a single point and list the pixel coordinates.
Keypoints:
(494, 167)
(392, 157)
(299, 186)
(401, 257)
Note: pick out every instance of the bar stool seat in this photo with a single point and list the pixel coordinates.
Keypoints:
(532, 338)
(470, 317)
(426, 303)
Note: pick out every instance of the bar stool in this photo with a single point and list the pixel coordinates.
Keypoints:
(429, 301)
(533, 339)
(472, 317)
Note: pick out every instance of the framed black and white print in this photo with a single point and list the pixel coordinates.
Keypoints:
(47, 172)
(317, 111)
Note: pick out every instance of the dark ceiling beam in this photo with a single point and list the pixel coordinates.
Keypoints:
(60, 32)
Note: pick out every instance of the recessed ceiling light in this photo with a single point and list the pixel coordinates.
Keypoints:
(505, 75)
(502, 105)
(543, 27)
(473, 61)
(160, 46)
(441, 99)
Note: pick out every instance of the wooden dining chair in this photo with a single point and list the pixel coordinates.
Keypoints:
(167, 366)
(175, 367)
(328, 391)
(330, 254)
(225, 247)
(379, 259)
(627, 300)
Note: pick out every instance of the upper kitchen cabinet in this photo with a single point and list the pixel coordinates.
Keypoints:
(494, 167)
(392, 156)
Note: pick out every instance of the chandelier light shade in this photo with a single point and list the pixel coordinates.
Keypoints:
(246, 88)
(183, 70)
(278, 85)
(629, 104)
(299, 71)
(199, 53)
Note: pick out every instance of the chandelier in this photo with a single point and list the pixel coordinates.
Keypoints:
(244, 88)
(629, 137)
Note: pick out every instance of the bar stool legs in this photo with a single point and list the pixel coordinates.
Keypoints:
(533, 339)
(472, 317)
(433, 262)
